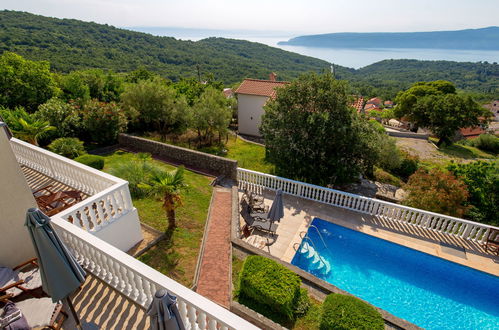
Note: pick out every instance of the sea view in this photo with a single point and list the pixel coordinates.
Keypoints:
(348, 57)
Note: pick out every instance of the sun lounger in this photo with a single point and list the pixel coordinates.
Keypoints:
(492, 243)
(22, 278)
(35, 312)
(253, 222)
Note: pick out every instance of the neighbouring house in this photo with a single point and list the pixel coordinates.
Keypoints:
(370, 107)
(376, 101)
(388, 104)
(358, 104)
(252, 95)
(494, 108)
(470, 132)
(228, 92)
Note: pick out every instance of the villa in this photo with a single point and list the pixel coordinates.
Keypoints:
(98, 230)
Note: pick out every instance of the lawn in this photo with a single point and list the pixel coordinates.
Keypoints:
(176, 257)
(248, 155)
(463, 151)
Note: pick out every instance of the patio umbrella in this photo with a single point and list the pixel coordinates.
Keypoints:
(61, 274)
(277, 209)
(164, 312)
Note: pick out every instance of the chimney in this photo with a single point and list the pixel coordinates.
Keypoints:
(272, 76)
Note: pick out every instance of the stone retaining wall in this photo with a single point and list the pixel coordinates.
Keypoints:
(201, 161)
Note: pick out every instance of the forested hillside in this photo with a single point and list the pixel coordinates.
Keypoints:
(74, 45)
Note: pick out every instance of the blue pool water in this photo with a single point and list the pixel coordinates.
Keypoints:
(430, 292)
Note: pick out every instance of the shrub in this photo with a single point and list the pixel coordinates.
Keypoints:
(346, 312)
(94, 161)
(136, 172)
(486, 142)
(104, 121)
(67, 147)
(63, 116)
(303, 303)
(437, 191)
(270, 284)
(408, 166)
(385, 177)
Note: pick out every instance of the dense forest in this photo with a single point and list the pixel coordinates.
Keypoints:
(75, 45)
(485, 38)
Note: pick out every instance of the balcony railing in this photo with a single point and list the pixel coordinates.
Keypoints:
(139, 282)
(469, 230)
(109, 197)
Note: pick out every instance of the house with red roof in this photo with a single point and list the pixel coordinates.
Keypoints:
(252, 95)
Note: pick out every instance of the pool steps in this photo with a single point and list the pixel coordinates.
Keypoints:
(316, 262)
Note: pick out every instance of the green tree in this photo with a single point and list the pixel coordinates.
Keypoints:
(312, 134)
(168, 186)
(75, 88)
(435, 105)
(437, 191)
(211, 113)
(157, 104)
(63, 116)
(26, 126)
(24, 83)
(104, 121)
(482, 179)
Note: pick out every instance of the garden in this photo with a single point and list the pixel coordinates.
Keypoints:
(275, 292)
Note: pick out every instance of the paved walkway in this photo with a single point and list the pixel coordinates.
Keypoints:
(215, 271)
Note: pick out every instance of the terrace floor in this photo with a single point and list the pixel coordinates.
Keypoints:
(37, 180)
(299, 213)
(101, 307)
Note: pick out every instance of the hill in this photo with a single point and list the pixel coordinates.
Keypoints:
(485, 39)
(74, 45)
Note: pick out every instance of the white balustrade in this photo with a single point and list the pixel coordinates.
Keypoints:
(138, 282)
(109, 197)
(469, 230)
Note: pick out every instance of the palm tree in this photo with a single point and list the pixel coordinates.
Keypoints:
(26, 126)
(31, 130)
(168, 185)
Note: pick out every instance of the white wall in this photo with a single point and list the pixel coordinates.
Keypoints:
(15, 199)
(122, 233)
(249, 113)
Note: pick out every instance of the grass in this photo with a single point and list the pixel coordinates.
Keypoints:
(463, 151)
(248, 155)
(176, 256)
(308, 321)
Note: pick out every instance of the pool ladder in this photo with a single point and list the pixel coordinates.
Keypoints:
(309, 250)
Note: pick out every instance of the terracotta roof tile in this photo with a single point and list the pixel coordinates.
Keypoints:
(260, 87)
(470, 132)
(358, 103)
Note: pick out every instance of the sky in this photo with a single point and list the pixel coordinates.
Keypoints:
(288, 16)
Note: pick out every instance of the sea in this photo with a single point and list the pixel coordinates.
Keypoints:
(348, 57)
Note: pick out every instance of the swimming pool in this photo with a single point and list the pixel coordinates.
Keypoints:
(430, 292)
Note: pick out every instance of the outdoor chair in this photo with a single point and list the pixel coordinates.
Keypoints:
(255, 202)
(52, 202)
(22, 278)
(492, 243)
(31, 312)
(255, 222)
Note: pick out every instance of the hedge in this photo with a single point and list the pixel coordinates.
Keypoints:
(67, 147)
(347, 312)
(270, 284)
(94, 161)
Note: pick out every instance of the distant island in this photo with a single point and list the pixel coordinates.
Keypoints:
(479, 39)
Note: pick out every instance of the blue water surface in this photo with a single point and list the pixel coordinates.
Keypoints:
(430, 292)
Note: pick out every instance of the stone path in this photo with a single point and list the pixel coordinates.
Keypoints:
(215, 270)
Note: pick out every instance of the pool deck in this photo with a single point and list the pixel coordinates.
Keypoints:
(299, 213)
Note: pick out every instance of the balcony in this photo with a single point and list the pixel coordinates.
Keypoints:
(98, 230)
